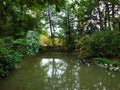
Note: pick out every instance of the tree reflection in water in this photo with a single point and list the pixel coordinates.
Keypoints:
(60, 74)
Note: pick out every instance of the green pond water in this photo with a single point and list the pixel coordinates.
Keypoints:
(59, 72)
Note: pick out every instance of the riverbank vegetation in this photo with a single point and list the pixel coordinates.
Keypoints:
(108, 64)
(88, 27)
(11, 54)
(100, 44)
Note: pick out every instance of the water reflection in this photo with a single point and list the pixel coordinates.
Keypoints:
(60, 73)
(71, 75)
(54, 66)
(59, 76)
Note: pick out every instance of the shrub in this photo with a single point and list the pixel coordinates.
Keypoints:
(19, 46)
(45, 41)
(8, 59)
(11, 53)
(83, 46)
(8, 40)
(32, 42)
(104, 43)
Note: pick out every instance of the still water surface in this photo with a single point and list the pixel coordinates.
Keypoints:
(59, 72)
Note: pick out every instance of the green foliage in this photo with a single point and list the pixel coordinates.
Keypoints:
(8, 40)
(82, 46)
(8, 59)
(19, 46)
(107, 61)
(17, 17)
(104, 43)
(103, 60)
(32, 42)
(11, 53)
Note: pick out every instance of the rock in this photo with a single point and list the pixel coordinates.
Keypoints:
(105, 66)
(116, 68)
(110, 65)
(101, 65)
(111, 68)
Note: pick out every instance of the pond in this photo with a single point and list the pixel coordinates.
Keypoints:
(59, 72)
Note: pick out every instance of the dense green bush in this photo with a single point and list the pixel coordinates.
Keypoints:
(19, 46)
(32, 42)
(11, 53)
(104, 43)
(8, 59)
(6, 40)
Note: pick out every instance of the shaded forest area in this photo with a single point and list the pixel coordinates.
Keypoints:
(89, 27)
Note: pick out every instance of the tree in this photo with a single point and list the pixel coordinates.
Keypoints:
(13, 15)
(100, 13)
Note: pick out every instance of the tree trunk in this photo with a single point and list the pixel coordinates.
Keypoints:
(105, 20)
(50, 23)
(113, 15)
(68, 25)
(100, 16)
(107, 15)
(119, 26)
(21, 13)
